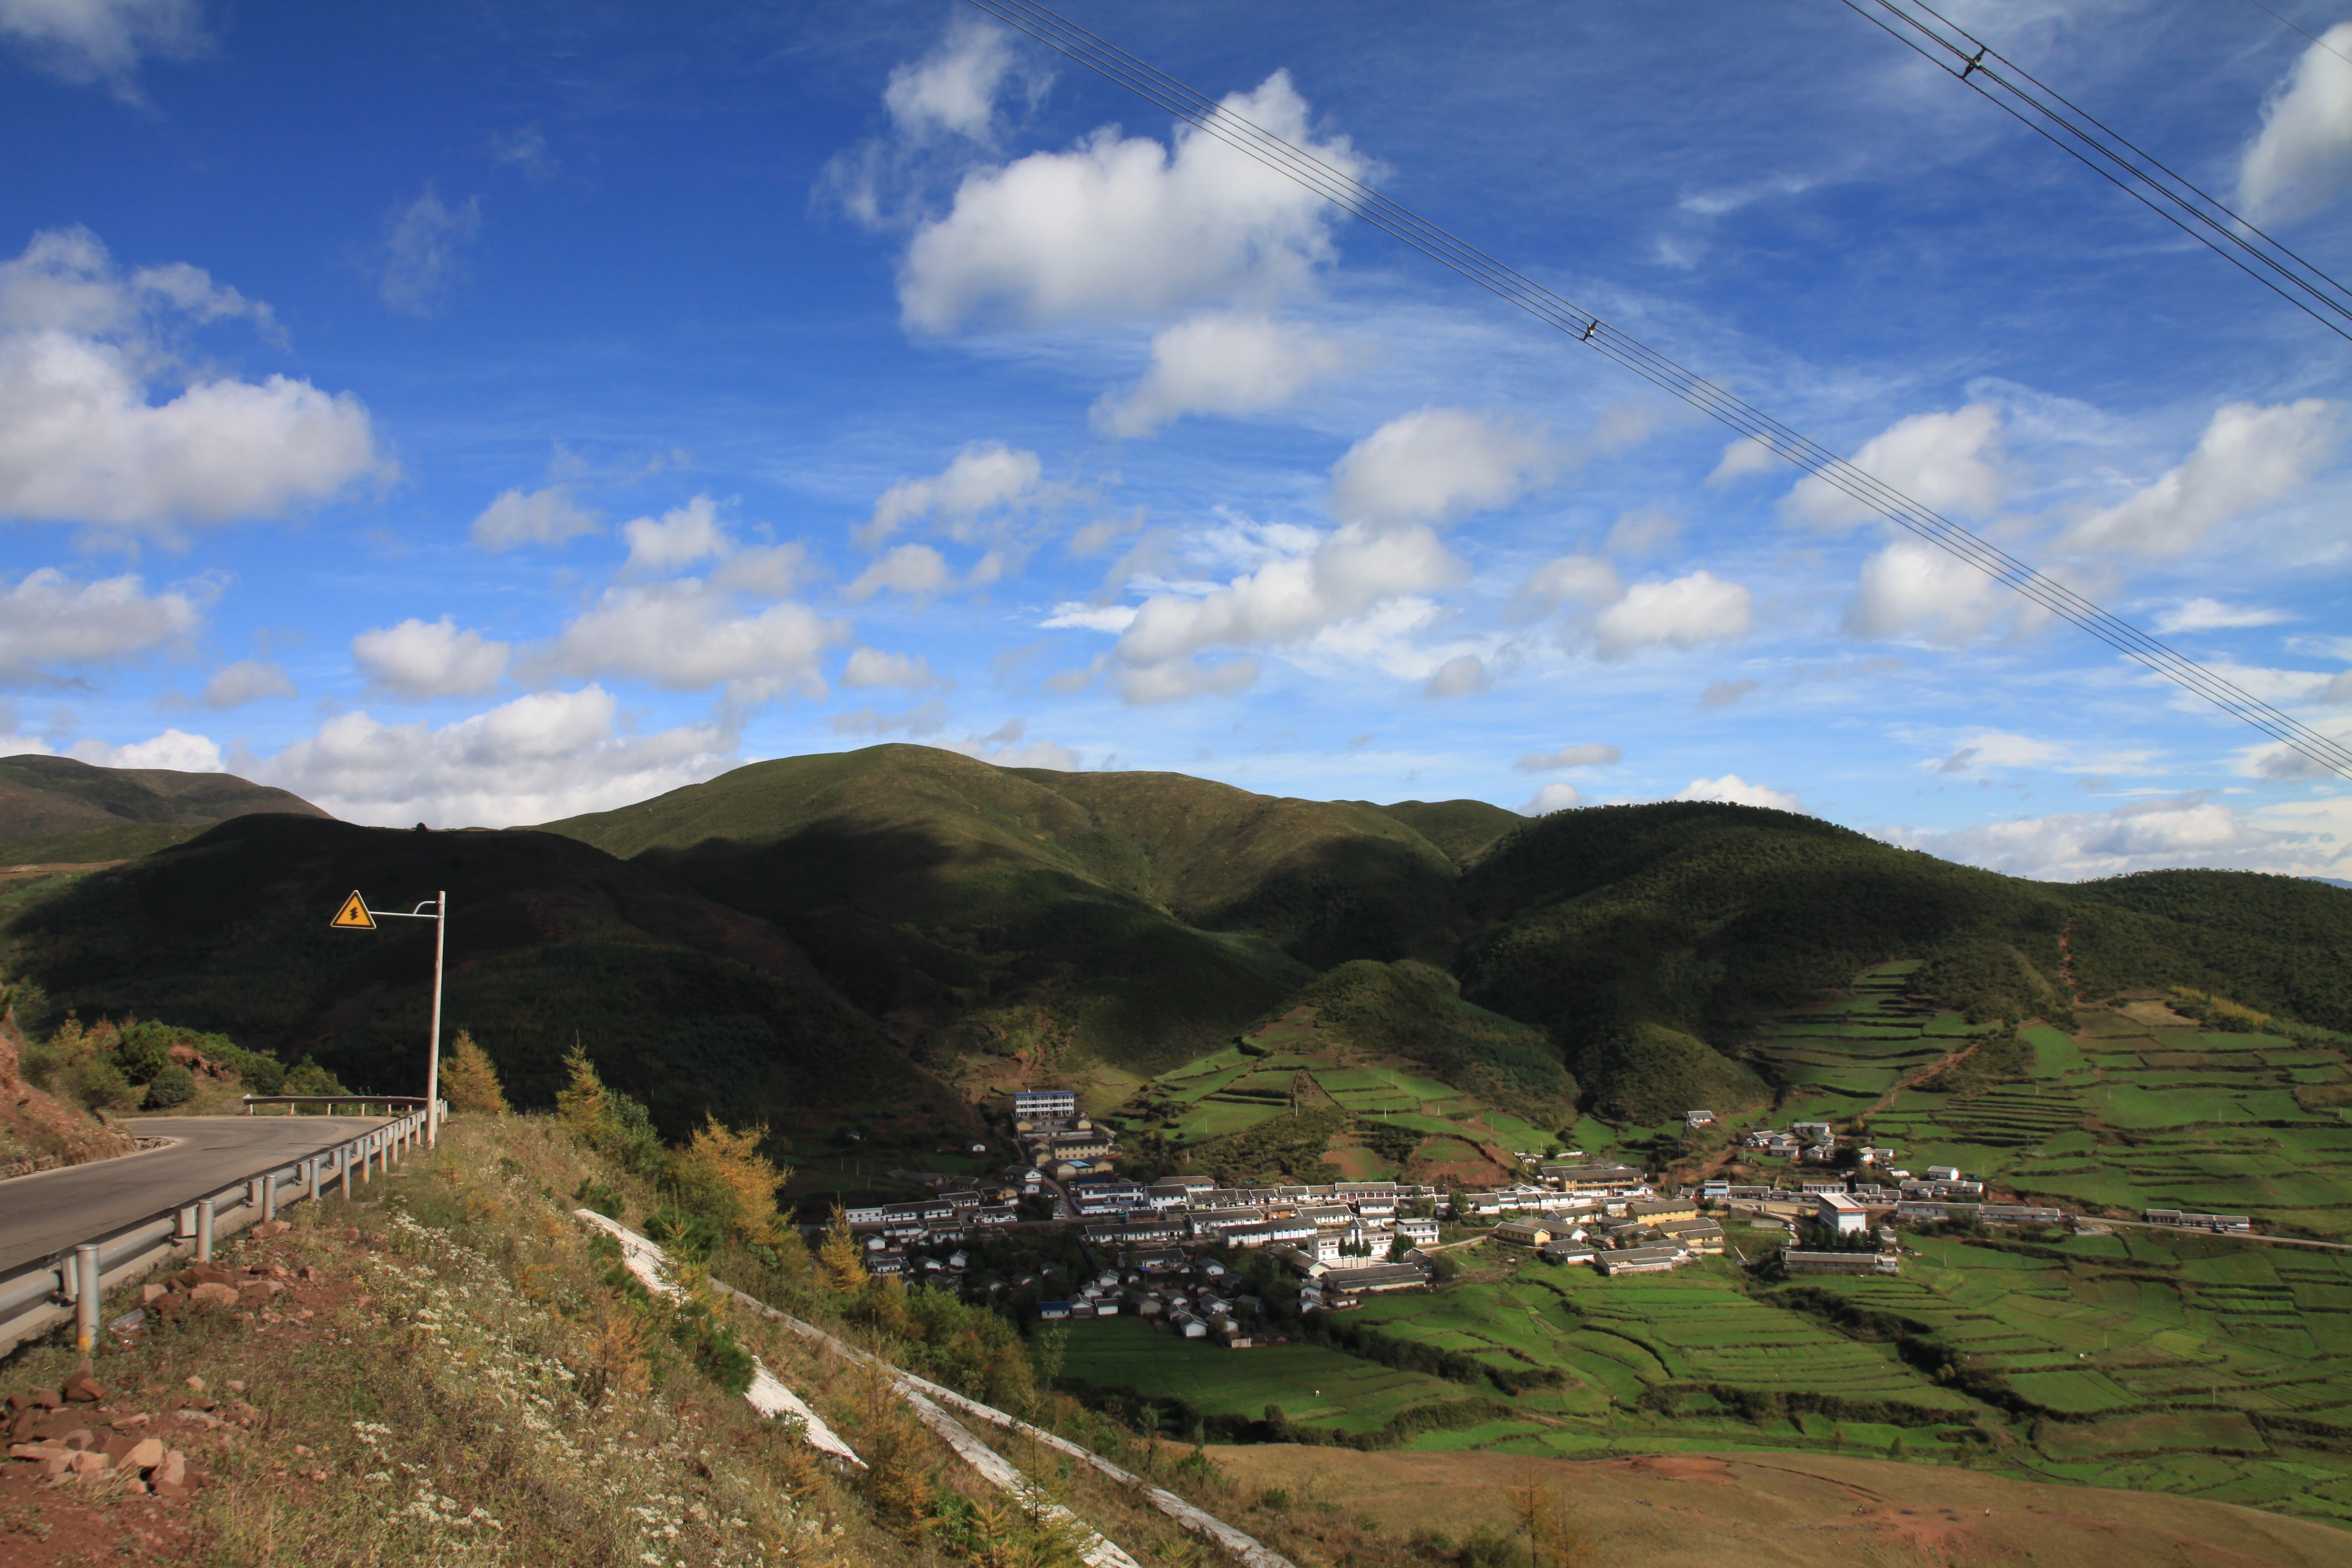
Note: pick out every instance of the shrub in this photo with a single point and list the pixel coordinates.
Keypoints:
(307, 1077)
(597, 1196)
(687, 1234)
(172, 1085)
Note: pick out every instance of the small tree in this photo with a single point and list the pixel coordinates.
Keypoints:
(582, 1101)
(723, 1171)
(469, 1079)
(840, 1261)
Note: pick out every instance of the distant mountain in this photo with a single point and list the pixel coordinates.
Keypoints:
(57, 809)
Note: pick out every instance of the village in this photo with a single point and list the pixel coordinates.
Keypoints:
(1066, 1235)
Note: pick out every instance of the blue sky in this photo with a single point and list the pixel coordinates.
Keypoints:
(481, 415)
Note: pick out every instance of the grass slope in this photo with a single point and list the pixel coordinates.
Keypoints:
(1142, 917)
(685, 1003)
(41, 798)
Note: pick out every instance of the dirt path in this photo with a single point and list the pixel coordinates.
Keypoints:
(1918, 1076)
(2066, 962)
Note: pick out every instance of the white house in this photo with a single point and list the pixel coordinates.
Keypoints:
(1841, 1213)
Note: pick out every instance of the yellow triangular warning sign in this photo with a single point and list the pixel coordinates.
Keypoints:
(354, 914)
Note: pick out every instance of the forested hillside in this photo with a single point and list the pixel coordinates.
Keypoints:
(688, 1006)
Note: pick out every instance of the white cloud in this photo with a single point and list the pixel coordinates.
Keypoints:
(1117, 227)
(1291, 598)
(2338, 692)
(1642, 532)
(1007, 749)
(1948, 462)
(1229, 362)
(769, 573)
(2248, 458)
(425, 659)
(679, 537)
(247, 681)
(2302, 159)
(1743, 457)
(1435, 465)
(1112, 618)
(925, 719)
(1589, 754)
(1725, 694)
(531, 517)
(174, 749)
(953, 90)
(1685, 611)
(80, 440)
(1176, 679)
(547, 755)
(687, 637)
(102, 40)
(871, 667)
(1462, 676)
(421, 242)
(1914, 590)
(1733, 790)
(47, 620)
(1551, 798)
(985, 478)
(2211, 615)
(1583, 579)
(2144, 834)
(915, 569)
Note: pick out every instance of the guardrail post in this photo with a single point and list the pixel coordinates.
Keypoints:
(269, 1197)
(311, 1178)
(204, 1230)
(343, 1169)
(253, 1191)
(184, 1228)
(86, 1297)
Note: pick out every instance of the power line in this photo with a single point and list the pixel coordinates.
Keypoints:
(2291, 28)
(2140, 174)
(1345, 191)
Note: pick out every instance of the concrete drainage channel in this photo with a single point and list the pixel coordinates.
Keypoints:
(70, 1285)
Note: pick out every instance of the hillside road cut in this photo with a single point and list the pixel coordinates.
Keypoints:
(48, 1213)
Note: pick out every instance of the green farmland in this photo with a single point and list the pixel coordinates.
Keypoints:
(2183, 1364)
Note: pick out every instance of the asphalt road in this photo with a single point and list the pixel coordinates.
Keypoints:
(44, 1214)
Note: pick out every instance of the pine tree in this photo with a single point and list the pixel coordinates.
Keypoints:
(840, 1261)
(469, 1080)
(725, 1169)
(581, 1103)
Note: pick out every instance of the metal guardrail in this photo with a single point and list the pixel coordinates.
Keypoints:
(331, 1101)
(68, 1285)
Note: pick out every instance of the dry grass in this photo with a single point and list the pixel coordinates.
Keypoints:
(470, 1386)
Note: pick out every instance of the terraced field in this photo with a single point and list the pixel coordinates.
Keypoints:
(1840, 1060)
(2140, 1108)
(1236, 1088)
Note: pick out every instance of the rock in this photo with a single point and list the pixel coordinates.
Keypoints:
(86, 1463)
(36, 1450)
(309, 1273)
(132, 1423)
(18, 1402)
(256, 1293)
(144, 1454)
(234, 1386)
(241, 1413)
(80, 1439)
(49, 1399)
(212, 1294)
(197, 1383)
(81, 1387)
(271, 1227)
(170, 1479)
(209, 1274)
(56, 1467)
(149, 1294)
(21, 1425)
(53, 1425)
(349, 1233)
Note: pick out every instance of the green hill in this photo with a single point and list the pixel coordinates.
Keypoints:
(788, 918)
(683, 1003)
(42, 797)
(1139, 917)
